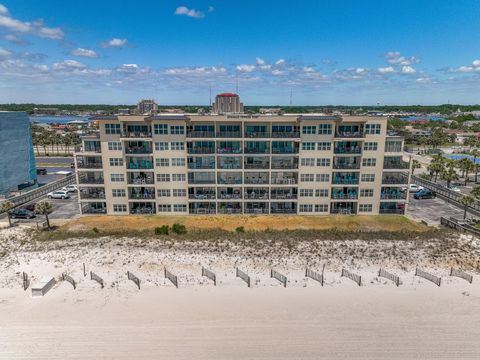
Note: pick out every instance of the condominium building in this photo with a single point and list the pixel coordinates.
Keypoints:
(239, 164)
(147, 106)
(227, 103)
(17, 160)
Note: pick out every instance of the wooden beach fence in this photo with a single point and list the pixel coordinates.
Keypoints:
(25, 281)
(173, 278)
(135, 279)
(435, 279)
(209, 274)
(354, 277)
(314, 275)
(84, 270)
(242, 275)
(276, 275)
(68, 278)
(97, 278)
(461, 274)
(385, 274)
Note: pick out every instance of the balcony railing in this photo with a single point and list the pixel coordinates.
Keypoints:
(133, 134)
(230, 166)
(256, 211)
(284, 196)
(229, 196)
(284, 181)
(254, 196)
(396, 165)
(284, 135)
(230, 211)
(82, 165)
(338, 196)
(198, 150)
(346, 166)
(256, 151)
(284, 151)
(138, 150)
(229, 151)
(201, 134)
(257, 166)
(345, 181)
(283, 211)
(202, 211)
(95, 195)
(395, 180)
(393, 196)
(257, 134)
(201, 166)
(230, 181)
(94, 211)
(90, 180)
(349, 134)
(282, 166)
(229, 134)
(392, 211)
(350, 150)
(201, 181)
(202, 196)
(145, 164)
(141, 196)
(343, 211)
(142, 211)
(256, 181)
(140, 181)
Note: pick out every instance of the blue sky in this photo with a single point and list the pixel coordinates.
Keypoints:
(324, 52)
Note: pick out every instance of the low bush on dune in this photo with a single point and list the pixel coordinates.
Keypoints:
(161, 230)
(179, 229)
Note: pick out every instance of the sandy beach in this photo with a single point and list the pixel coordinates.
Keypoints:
(378, 320)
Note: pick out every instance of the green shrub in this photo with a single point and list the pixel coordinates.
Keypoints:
(240, 229)
(95, 230)
(179, 229)
(162, 230)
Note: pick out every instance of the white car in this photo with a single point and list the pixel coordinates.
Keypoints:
(413, 188)
(455, 188)
(59, 194)
(70, 188)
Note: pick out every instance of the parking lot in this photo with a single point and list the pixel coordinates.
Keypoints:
(431, 210)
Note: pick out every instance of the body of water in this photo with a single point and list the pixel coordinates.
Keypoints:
(462, 156)
(422, 118)
(57, 119)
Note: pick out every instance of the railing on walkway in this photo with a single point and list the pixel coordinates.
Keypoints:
(460, 226)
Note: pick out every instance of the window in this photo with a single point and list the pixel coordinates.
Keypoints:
(164, 208)
(306, 177)
(163, 177)
(321, 193)
(369, 162)
(118, 193)
(324, 146)
(112, 128)
(119, 208)
(177, 130)
(321, 208)
(117, 177)
(368, 177)
(393, 146)
(178, 162)
(325, 129)
(160, 146)
(179, 192)
(366, 192)
(323, 177)
(163, 192)
(307, 162)
(372, 128)
(179, 208)
(160, 129)
(370, 146)
(305, 208)
(177, 145)
(162, 162)
(306, 192)
(308, 146)
(365, 208)
(309, 129)
(116, 162)
(179, 177)
(114, 145)
(323, 162)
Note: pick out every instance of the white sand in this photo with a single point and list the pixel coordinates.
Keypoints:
(417, 320)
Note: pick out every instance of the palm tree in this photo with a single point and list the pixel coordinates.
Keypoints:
(6, 206)
(476, 192)
(44, 208)
(416, 165)
(449, 174)
(466, 201)
(475, 153)
(465, 165)
(437, 165)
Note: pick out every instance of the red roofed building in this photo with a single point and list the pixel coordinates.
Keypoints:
(227, 103)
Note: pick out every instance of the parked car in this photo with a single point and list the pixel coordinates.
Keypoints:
(454, 188)
(72, 165)
(59, 194)
(413, 188)
(30, 207)
(21, 214)
(425, 194)
(41, 171)
(70, 188)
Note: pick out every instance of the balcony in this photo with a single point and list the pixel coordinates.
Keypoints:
(229, 208)
(392, 211)
(395, 165)
(140, 178)
(202, 194)
(283, 208)
(201, 178)
(136, 134)
(344, 193)
(92, 193)
(393, 194)
(284, 178)
(229, 147)
(229, 193)
(200, 134)
(201, 208)
(91, 146)
(285, 135)
(256, 149)
(230, 163)
(138, 147)
(201, 150)
(343, 150)
(89, 162)
(284, 194)
(255, 194)
(207, 162)
(141, 193)
(94, 208)
(139, 163)
(346, 163)
(142, 208)
(257, 162)
(257, 135)
(229, 134)
(256, 178)
(349, 131)
(90, 179)
(256, 209)
(344, 208)
(395, 178)
(345, 178)
(279, 163)
(229, 178)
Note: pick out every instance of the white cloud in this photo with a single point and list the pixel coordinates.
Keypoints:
(260, 61)
(211, 9)
(3, 10)
(396, 58)
(277, 72)
(386, 70)
(476, 63)
(115, 43)
(408, 70)
(84, 53)
(246, 68)
(128, 68)
(4, 52)
(183, 10)
(280, 62)
(68, 65)
(195, 71)
(308, 69)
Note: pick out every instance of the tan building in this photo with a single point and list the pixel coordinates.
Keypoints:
(227, 103)
(239, 164)
(147, 106)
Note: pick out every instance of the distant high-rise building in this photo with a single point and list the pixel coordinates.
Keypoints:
(17, 160)
(227, 103)
(147, 106)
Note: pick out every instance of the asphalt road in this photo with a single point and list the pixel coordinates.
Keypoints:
(431, 210)
(54, 160)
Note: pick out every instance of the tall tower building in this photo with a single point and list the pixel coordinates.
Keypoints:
(227, 103)
(147, 106)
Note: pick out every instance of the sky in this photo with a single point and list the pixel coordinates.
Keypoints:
(317, 52)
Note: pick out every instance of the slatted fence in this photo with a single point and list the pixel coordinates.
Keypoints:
(84, 270)
(25, 281)
(171, 277)
(209, 274)
(276, 275)
(314, 275)
(244, 276)
(135, 279)
(385, 274)
(97, 278)
(68, 278)
(461, 274)
(354, 277)
(435, 279)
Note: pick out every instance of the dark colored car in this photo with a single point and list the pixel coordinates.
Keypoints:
(42, 171)
(72, 165)
(425, 194)
(21, 214)
(30, 207)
